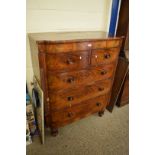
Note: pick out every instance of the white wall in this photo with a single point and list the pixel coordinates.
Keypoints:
(65, 15)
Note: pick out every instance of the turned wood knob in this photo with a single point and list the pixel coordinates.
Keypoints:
(70, 98)
(103, 72)
(106, 55)
(100, 89)
(98, 104)
(70, 80)
(70, 114)
(69, 61)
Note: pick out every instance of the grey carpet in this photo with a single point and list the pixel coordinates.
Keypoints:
(106, 135)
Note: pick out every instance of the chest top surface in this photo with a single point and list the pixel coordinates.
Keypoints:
(54, 37)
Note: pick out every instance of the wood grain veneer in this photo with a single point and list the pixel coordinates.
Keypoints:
(76, 72)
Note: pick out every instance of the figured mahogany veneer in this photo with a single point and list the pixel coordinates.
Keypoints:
(68, 97)
(75, 71)
(74, 78)
(86, 108)
(63, 47)
(102, 56)
(67, 61)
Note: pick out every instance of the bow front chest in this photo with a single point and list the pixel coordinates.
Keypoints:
(75, 71)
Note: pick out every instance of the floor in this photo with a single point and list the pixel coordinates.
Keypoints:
(106, 135)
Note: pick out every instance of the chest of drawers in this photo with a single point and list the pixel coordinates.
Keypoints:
(75, 71)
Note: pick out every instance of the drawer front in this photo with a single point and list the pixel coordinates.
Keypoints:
(103, 56)
(69, 97)
(67, 47)
(99, 44)
(67, 61)
(106, 44)
(86, 108)
(74, 78)
(80, 46)
(113, 43)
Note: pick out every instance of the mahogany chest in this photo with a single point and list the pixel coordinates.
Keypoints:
(75, 71)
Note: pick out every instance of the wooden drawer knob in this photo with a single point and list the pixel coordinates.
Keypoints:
(98, 104)
(106, 55)
(70, 98)
(103, 72)
(70, 80)
(70, 114)
(69, 61)
(100, 89)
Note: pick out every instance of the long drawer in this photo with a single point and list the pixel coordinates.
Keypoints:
(78, 46)
(71, 79)
(62, 117)
(70, 97)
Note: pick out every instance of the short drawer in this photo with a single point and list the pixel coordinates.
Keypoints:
(67, 61)
(86, 108)
(104, 56)
(69, 97)
(66, 80)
